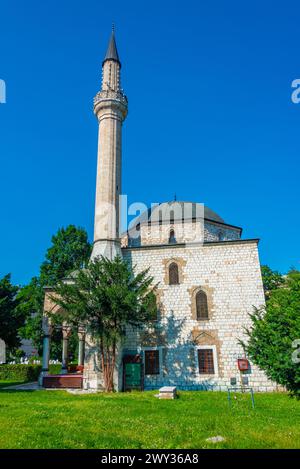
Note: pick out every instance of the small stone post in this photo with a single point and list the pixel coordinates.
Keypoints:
(81, 337)
(66, 330)
(2, 352)
(47, 329)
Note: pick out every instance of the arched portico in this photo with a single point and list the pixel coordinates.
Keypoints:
(66, 377)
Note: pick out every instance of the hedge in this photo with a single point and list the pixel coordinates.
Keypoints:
(20, 372)
(55, 369)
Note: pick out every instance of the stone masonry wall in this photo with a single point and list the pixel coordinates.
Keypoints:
(188, 231)
(230, 275)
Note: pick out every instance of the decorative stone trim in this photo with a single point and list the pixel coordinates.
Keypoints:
(66, 331)
(215, 360)
(81, 332)
(50, 306)
(153, 337)
(209, 338)
(181, 264)
(207, 244)
(209, 294)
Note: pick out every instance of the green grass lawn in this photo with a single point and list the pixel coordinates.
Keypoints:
(56, 419)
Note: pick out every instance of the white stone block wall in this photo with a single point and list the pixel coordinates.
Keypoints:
(230, 274)
(188, 231)
(217, 232)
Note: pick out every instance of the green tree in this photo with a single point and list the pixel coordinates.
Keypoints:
(70, 250)
(11, 318)
(30, 304)
(271, 280)
(107, 296)
(275, 333)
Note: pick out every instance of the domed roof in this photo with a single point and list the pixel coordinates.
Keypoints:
(177, 210)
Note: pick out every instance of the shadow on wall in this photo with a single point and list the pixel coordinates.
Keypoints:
(180, 367)
(179, 361)
(178, 355)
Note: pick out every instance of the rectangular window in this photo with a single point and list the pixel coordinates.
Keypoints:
(151, 362)
(206, 361)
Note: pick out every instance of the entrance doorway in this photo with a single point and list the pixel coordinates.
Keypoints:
(132, 373)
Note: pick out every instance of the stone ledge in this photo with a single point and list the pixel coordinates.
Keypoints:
(192, 244)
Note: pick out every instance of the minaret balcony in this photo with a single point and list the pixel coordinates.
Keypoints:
(110, 94)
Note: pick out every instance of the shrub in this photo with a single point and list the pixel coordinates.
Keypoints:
(55, 369)
(274, 335)
(20, 372)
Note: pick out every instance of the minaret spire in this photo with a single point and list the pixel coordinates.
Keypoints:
(110, 108)
(112, 51)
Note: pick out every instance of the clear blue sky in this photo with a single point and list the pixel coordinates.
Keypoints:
(210, 116)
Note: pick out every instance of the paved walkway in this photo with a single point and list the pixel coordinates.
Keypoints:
(35, 387)
(24, 387)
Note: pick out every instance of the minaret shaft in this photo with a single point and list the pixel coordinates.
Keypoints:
(111, 76)
(108, 186)
(110, 107)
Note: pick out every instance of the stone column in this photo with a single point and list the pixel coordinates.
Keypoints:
(66, 331)
(81, 337)
(47, 329)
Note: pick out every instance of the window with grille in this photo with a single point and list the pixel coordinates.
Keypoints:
(201, 305)
(173, 274)
(206, 361)
(151, 362)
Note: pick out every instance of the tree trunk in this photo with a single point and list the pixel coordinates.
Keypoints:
(108, 360)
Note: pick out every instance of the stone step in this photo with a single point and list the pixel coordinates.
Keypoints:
(167, 392)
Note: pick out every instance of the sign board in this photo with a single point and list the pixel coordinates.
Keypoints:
(2, 351)
(243, 364)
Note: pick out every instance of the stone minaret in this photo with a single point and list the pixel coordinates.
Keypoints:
(110, 107)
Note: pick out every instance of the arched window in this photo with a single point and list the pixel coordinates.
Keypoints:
(172, 239)
(201, 305)
(173, 274)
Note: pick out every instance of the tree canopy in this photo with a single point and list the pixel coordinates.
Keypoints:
(272, 279)
(70, 250)
(274, 343)
(11, 318)
(107, 296)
